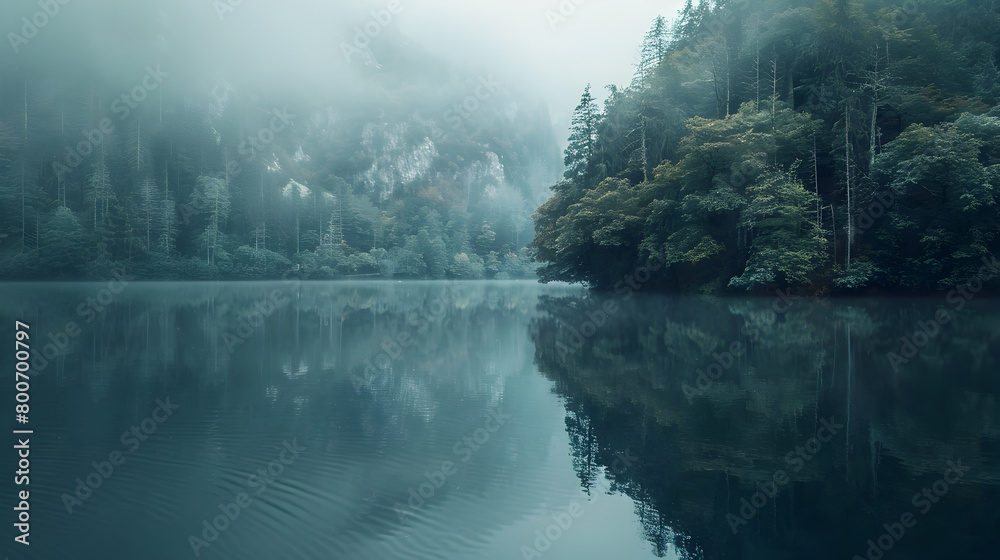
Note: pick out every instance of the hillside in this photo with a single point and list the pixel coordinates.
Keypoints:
(829, 146)
(404, 168)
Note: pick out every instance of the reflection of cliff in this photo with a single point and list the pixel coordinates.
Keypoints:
(624, 383)
(303, 371)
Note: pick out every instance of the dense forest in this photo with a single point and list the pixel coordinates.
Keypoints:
(130, 157)
(702, 451)
(830, 146)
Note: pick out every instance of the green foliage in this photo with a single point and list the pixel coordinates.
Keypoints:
(946, 216)
(787, 247)
(864, 153)
(389, 177)
(862, 274)
(582, 140)
(466, 268)
(62, 249)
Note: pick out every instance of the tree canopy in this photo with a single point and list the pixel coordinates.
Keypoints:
(832, 146)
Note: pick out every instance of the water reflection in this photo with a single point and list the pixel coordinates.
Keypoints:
(718, 396)
(461, 420)
(378, 382)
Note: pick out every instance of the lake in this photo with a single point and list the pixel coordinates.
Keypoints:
(501, 420)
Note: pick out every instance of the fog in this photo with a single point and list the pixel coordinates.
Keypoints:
(549, 50)
(539, 49)
(385, 137)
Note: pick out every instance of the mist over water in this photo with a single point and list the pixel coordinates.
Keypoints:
(441, 420)
(274, 268)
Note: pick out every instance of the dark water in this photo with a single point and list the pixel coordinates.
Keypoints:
(501, 420)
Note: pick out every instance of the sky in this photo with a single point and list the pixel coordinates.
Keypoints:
(532, 44)
(546, 49)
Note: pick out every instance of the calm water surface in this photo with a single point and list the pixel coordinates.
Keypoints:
(497, 420)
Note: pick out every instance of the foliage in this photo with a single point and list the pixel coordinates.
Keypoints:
(836, 144)
(210, 181)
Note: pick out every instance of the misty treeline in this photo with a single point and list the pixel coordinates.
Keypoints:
(828, 145)
(141, 159)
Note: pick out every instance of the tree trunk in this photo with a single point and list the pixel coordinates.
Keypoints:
(728, 83)
(756, 62)
(645, 159)
(847, 166)
(819, 218)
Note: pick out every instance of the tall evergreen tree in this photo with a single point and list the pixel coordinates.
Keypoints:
(583, 136)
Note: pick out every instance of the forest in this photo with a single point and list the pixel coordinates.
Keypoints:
(829, 146)
(134, 158)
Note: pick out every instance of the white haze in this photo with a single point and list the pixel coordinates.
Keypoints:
(597, 44)
(295, 46)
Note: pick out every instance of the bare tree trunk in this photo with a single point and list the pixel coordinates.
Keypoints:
(876, 85)
(847, 166)
(645, 160)
(774, 88)
(756, 63)
(819, 218)
(728, 83)
(833, 226)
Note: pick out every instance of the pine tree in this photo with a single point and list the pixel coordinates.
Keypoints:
(149, 204)
(583, 135)
(167, 226)
(100, 192)
(63, 249)
(212, 195)
(653, 50)
(138, 150)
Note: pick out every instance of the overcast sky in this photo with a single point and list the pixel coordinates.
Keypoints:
(548, 49)
(520, 42)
